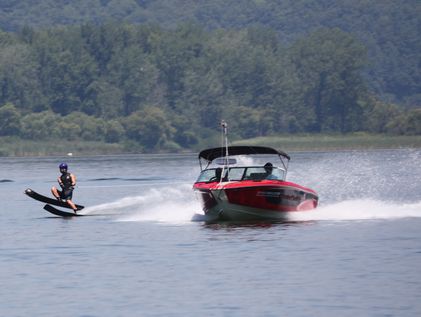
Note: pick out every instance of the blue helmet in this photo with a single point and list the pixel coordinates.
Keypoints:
(63, 166)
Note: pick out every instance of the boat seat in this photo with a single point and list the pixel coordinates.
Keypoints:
(257, 176)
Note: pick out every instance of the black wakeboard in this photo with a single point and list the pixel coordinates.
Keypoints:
(49, 200)
(61, 213)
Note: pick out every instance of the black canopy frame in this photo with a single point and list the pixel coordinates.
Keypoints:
(211, 154)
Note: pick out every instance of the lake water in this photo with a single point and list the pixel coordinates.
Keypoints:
(358, 254)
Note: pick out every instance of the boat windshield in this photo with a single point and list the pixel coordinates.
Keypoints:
(256, 173)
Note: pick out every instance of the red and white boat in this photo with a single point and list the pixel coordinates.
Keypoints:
(231, 190)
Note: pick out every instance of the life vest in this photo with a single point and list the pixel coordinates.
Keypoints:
(66, 179)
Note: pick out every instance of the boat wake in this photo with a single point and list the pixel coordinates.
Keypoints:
(179, 205)
(164, 204)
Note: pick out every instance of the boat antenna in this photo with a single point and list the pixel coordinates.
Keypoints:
(224, 127)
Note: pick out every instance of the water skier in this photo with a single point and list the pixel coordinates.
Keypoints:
(67, 182)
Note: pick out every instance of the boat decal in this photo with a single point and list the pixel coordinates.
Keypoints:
(279, 195)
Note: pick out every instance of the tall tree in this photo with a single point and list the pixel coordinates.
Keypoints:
(329, 63)
(9, 120)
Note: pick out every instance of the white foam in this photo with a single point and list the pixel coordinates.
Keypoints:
(360, 210)
(162, 204)
(178, 204)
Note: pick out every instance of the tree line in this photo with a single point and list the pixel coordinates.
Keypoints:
(388, 28)
(169, 88)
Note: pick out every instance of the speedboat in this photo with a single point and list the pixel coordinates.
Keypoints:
(240, 183)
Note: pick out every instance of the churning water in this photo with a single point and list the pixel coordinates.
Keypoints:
(144, 250)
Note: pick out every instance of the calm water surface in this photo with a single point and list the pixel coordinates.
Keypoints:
(140, 253)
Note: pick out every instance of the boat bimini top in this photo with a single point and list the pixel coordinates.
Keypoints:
(211, 154)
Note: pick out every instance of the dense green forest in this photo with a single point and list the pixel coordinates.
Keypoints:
(389, 29)
(167, 85)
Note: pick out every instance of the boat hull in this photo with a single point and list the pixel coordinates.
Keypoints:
(254, 202)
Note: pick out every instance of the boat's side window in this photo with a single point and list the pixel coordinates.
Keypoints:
(236, 173)
(278, 173)
(259, 173)
(254, 173)
(206, 175)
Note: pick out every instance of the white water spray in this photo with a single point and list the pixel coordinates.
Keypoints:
(161, 204)
(360, 210)
(179, 205)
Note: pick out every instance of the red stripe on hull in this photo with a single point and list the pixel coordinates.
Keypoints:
(272, 198)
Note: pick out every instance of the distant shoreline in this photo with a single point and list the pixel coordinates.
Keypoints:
(327, 142)
(14, 147)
